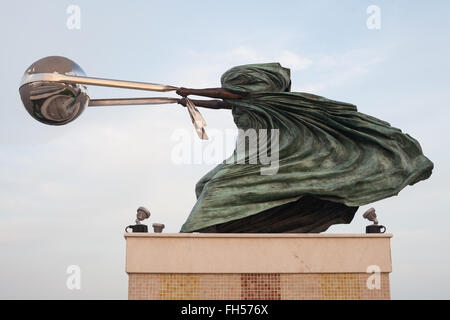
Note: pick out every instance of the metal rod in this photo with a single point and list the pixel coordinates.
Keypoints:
(56, 77)
(130, 101)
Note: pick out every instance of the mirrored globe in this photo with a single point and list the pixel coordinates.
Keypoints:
(54, 103)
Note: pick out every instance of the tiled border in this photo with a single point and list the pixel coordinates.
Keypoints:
(255, 286)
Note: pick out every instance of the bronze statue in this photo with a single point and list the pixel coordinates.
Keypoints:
(332, 159)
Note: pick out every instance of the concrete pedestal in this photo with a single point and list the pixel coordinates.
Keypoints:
(258, 266)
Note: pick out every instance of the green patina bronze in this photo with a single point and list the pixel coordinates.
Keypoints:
(327, 150)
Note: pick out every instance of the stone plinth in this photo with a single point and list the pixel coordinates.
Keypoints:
(258, 266)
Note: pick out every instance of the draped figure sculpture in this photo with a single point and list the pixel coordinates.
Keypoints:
(331, 159)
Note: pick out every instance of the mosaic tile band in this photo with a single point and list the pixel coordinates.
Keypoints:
(273, 286)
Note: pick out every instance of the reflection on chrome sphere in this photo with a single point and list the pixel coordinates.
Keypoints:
(54, 103)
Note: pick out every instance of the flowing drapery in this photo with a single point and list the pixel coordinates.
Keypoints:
(327, 150)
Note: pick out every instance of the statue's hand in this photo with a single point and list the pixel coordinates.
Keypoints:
(182, 101)
(184, 92)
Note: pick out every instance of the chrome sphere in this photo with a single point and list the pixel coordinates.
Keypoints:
(54, 103)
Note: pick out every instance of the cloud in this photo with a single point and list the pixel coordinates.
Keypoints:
(336, 70)
(294, 61)
(286, 58)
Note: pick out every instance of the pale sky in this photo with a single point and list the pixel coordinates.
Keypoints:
(67, 193)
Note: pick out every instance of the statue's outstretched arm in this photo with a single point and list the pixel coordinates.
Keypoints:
(211, 104)
(218, 93)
